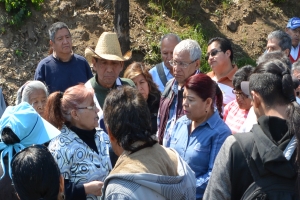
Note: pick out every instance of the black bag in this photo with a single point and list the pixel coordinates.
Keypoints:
(269, 186)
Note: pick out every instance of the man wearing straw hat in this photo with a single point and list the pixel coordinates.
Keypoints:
(107, 60)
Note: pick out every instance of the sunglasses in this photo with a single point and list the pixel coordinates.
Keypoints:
(212, 53)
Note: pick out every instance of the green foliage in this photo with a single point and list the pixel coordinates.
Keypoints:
(19, 53)
(20, 9)
(2, 30)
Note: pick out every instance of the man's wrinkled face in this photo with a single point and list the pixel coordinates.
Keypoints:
(295, 35)
(62, 43)
(107, 71)
(167, 47)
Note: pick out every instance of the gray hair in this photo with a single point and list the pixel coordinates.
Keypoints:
(280, 55)
(55, 27)
(26, 90)
(170, 36)
(285, 41)
(296, 66)
(190, 46)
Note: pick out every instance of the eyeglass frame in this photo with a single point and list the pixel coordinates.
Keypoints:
(240, 94)
(93, 107)
(185, 65)
(212, 53)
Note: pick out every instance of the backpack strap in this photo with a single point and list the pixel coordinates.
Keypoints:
(161, 73)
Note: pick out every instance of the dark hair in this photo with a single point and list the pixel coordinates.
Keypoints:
(240, 75)
(224, 45)
(137, 68)
(35, 174)
(127, 116)
(279, 55)
(59, 105)
(296, 82)
(54, 28)
(9, 137)
(205, 88)
(273, 82)
(284, 39)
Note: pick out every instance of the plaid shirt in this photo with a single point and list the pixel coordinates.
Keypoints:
(234, 117)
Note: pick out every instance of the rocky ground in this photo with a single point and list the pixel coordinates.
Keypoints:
(246, 23)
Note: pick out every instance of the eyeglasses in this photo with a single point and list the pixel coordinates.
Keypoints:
(241, 95)
(93, 107)
(212, 53)
(183, 65)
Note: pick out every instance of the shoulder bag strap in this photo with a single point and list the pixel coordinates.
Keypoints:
(161, 73)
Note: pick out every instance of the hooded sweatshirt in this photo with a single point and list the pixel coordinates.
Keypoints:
(150, 173)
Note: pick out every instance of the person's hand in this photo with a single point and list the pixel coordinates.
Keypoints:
(93, 187)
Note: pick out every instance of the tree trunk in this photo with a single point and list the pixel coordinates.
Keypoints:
(121, 23)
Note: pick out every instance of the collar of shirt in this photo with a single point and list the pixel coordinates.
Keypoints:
(229, 75)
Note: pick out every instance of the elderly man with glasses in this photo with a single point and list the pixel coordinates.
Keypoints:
(236, 111)
(185, 62)
(219, 56)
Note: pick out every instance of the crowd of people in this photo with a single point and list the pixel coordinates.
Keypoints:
(169, 132)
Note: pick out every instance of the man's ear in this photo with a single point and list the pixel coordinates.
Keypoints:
(50, 43)
(256, 99)
(228, 53)
(110, 135)
(287, 52)
(198, 62)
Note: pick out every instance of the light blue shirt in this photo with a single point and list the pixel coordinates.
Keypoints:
(200, 147)
(156, 78)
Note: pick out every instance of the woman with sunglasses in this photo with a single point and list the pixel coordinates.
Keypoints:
(200, 133)
(81, 151)
(35, 174)
(142, 79)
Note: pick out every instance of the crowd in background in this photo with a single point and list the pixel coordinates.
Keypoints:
(169, 132)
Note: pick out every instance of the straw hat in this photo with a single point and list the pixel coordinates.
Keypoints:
(108, 47)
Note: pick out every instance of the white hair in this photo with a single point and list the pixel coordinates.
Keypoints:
(190, 46)
(26, 90)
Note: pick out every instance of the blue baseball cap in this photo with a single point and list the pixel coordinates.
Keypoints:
(28, 126)
(293, 23)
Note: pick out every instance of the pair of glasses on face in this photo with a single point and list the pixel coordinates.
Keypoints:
(212, 53)
(183, 65)
(241, 95)
(93, 107)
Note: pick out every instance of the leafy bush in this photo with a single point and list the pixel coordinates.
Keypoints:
(20, 9)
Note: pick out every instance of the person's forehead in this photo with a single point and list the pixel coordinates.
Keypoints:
(169, 41)
(182, 55)
(214, 45)
(273, 42)
(109, 61)
(62, 32)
